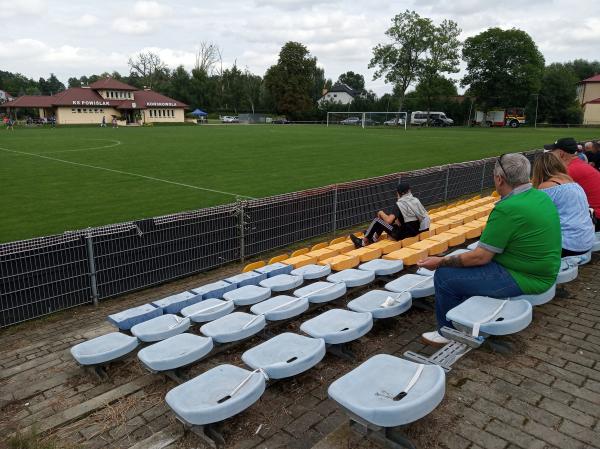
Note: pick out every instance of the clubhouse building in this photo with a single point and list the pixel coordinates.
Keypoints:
(108, 98)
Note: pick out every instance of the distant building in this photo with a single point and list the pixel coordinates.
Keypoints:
(107, 97)
(340, 93)
(588, 93)
(5, 96)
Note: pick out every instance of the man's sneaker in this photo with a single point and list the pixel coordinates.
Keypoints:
(358, 242)
(434, 339)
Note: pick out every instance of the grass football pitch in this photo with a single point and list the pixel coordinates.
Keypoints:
(53, 180)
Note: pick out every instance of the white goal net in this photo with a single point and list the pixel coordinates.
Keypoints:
(368, 119)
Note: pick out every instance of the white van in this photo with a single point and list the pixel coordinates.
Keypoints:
(435, 118)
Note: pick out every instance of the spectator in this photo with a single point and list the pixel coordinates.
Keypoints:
(406, 218)
(580, 154)
(114, 122)
(592, 152)
(577, 229)
(518, 253)
(583, 174)
(103, 124)
(10, 124)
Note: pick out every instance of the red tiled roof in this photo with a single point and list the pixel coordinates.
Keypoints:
(151, 99)
(81, 96)
(595, 101)
(129, 104)
(592, 79)
(112, 84)
(30, 101)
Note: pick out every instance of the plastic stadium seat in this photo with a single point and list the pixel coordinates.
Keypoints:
(300, 261)
(285, 355)
(314, 271)
(248, 295)
(338, 240)
(160, 328)
(280, 307)
(175, 352)
(581, 259)
(539, 299)
(278, 258)
(473, 229)
(426, 234)
(342, 247)
(407, 255)
(569, 270)
(275, 269)
(438, 228)
(366, 253)
(513, 317)
(377, 304)
(341, 262)
(321, 291)
(432, 247)
(253, 266)
(453, 239)
(104, 349)
(372, 390)
(233, 327)
(282, 282)
(473, 245)
(387, 246)
(319, 246)
(300, 252)
(382, 267)
(174, 303)
(409, 241)
(207, 398)
(418, 286)
(596, 246)
(337, 326)
(450, 222)
(214, 290)
(208, 310)
(352, 277)
(243, 279)
(322, 253)
(126, 319)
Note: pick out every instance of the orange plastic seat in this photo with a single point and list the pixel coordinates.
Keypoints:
(300, 252)
(254, 266)
(426, 234)
(341, 262)
(365, 253)
(323, 253)
(432, 247)
(300, 261)
(409, 241)
(278, 258)
(387, 246)
(408, 256)
(450, 222)
(453, 239)
(473, 229)
(438, 228)
(342, 247)
(319, 246)
(338, 240)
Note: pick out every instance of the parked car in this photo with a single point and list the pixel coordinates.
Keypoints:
(351, 121)
(371, 122)
(229, 119)
(280, 121)
(435, 119)
(399, 121)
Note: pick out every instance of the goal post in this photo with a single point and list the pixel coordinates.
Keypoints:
(368, 119)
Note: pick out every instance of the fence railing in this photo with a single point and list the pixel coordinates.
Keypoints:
(47, 274)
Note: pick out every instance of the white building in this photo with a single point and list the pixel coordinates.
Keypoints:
(339, 93)
(5, 96)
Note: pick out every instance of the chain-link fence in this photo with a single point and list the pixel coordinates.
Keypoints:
(47, 274)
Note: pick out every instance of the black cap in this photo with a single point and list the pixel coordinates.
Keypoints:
(403, 187)
(567, 144)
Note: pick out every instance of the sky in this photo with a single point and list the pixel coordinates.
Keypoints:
(75, 38)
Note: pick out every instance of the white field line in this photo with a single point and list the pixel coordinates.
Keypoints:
(121, 172)
(115, 143)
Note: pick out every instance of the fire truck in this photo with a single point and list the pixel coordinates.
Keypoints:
(513, 117)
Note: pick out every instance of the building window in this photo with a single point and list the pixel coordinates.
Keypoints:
(84, 110)
(79, 110)
(72, 110)
(101, 110)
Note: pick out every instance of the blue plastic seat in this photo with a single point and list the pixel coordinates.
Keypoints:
(514, 316)
(285, 355)
(312, 271)
(248, 295)
(208, 310)
(280, 307)
(374, 302)
(248, 278)
(352, 277)
(371, 390)
(175, 352)
(539, 299)
(160, 328)
(275, 269)
(174, 303)
(321, 291)
(569, 269)
(207, 398)
(382, 267)
(337, 326)
(104, 348)
(473, 245)
(282, 282)
(418, 286)
(214, 289)
(126, 319)
(233, 327)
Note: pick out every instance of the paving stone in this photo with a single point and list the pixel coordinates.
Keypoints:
(303, 423)
(567, 412)
(532, 412)
(481, 437)
(551, 436)
(514, 435)
(501, 413)
(584, 434)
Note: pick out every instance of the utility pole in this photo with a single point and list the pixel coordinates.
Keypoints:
(537, 98)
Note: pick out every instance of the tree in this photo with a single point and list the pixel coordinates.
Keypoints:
(252, 88)
(147, 67)
(584, 69)
(51, 86)
(207, 56)
(400, 62)
(504, 67)
(354, 80)
(558, 95)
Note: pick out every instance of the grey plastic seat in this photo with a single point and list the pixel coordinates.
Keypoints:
(248, 295)
(376, 303)
(174, 303)
(473, 245)
(214, 289)
(207, 398)
(337, 326)
(581, 259)
(352, 277)
(418, 286)
(312, 271)
(382, 267)
(282, 282)
(426, 272)
(285, 355)
(233, 327)
(175, 352)
(321, 291)
(280, 307)
(126, 319)
(569, 269)
(160, 328)
(208, 310)
(371, 390)
(596, 246)
(248, 278)
(104, 349)
(513, 317)
(458, 251)
(539, 299)
(275, 269)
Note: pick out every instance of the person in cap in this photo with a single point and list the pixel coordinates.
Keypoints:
(583, 174)
(406, 218)
(518, 252)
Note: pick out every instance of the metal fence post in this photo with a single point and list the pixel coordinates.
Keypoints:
(335, 197)
(482, 176)
(92, 267)
(446, 184)
(242, 225)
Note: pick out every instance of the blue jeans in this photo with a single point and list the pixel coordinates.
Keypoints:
(455, 285)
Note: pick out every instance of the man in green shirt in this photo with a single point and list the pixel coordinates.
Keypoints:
(518, 253)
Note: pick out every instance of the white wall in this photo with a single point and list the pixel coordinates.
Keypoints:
(337, 97)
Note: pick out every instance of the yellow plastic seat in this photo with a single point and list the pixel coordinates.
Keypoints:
(483, 219)
(450, 222)
(387, 246)
(338, 240)
(409, 241)
(342, 247)
(467, 217)
(300, 252)
(432, 247)
(278, 258)
(341, 262)
(495, 194)
(426, 234)
(365, 253)
(453, 239)
(319, 246)
(300, 261)
(254, 266)
(408, 256)
(438, 228)
(473, 229)
(323, 253)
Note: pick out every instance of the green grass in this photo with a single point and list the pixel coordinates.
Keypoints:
(43, 196)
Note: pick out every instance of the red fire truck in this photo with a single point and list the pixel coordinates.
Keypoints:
(513, 117)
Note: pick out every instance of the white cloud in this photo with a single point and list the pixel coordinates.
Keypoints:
(128, 26)
(84, 21)
(23, 8)
(150, 10)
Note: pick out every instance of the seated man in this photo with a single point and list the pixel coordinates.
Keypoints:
(406, 218)
(518, 253)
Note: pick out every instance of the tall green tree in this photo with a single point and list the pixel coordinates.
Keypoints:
(504, 67)
(558, 95)
(51, 86)
(354, 80)
(583, 68)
